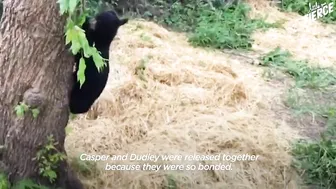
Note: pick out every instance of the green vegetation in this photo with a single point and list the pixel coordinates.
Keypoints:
(4, 184)
(22, 108)
(317, 160)
(312, 93)
(49, 159)
(302, 7)
(314, 86)
(218, 27)
(28, 184)
(209, 23)
(75, 36)
(304, 75)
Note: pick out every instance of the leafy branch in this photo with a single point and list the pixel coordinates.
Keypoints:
(75, 35)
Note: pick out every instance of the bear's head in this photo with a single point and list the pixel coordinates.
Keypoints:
(105, 26)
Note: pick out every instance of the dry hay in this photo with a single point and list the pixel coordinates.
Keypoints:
(184, 100)
(304, 38)
(188, 101)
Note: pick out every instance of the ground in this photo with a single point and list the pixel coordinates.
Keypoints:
(165, 96)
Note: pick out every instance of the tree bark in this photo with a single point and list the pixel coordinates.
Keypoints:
(35, 68)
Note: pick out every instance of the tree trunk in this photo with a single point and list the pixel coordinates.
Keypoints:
(35, 68)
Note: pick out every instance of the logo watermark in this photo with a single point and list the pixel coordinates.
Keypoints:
(320, 10)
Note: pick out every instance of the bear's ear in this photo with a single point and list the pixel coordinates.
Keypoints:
(123, 21)
(93, 23)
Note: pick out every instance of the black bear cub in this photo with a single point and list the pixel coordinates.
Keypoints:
(99, 31)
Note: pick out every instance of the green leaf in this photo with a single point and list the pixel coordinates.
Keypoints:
(82, 19)
(35, 112)
(68, 36)
(78, 34)
(72, 5)
(49, 146)
(52, 175)
(79, 31)
(98, 60)
(87, 50)
(63, 6)
(74, 36)
(84, 44)
(75, 47)
(70, 23)
(81, 71)
(19, 111)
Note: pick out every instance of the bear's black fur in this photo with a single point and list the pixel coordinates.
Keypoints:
(99, 31)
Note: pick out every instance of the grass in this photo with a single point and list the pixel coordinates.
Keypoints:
(315, 103)
(304, 75)
(314, 86)
(313, 93)
(316, 159)
(212, 25)
(216, 27)
(302, 7)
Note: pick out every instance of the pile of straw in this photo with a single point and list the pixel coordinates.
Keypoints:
(166, 97)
